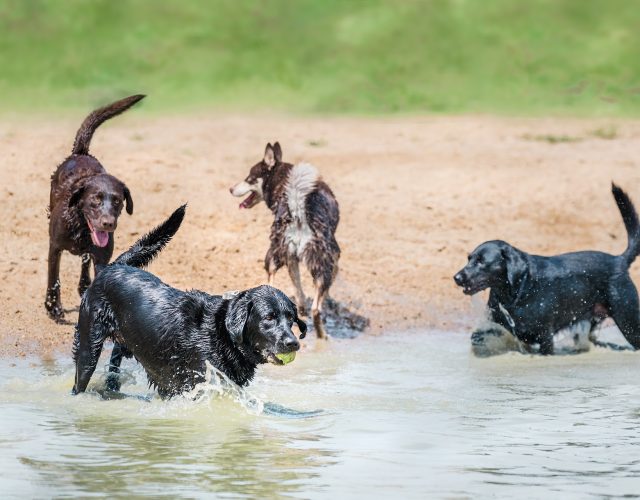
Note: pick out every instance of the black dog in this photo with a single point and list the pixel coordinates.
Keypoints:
(306, 216)
(173, 333)
(533, 297)
(84, 205)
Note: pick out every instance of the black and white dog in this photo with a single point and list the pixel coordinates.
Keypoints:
(174, 333)
(534, 297)
(306, 216)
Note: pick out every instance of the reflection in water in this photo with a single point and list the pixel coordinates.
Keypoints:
(412, 415)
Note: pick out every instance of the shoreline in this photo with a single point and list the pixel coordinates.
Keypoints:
(416, 195)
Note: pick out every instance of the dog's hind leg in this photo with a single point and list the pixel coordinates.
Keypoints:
(85, 279)
(293, 266)
(113, 378)
(316, 310)
(625, 309)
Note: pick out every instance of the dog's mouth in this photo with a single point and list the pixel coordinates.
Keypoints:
(250, 200)
(271, 358)
(99, 238)
(470, 289)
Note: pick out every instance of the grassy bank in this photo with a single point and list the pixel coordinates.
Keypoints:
(577, 57)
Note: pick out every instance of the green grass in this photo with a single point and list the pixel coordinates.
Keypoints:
(578, 57)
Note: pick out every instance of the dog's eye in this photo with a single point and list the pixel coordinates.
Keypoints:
(270, 317)
(116, 202)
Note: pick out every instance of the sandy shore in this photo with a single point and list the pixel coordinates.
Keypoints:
(416, 195)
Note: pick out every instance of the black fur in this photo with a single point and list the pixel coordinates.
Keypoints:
(173, 333)
(533, 297)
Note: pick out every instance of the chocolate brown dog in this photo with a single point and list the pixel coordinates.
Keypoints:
(306, 216)
(84, 206)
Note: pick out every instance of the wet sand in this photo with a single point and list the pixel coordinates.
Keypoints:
(416, 195)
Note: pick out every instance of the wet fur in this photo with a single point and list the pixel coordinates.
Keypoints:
(76, 179)
(174, 333)
(305, 211)
(533, 296)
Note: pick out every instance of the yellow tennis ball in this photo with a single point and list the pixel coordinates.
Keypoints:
(286, 358)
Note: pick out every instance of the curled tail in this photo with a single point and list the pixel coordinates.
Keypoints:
(146, 248)
(96, 118)
(631, 222)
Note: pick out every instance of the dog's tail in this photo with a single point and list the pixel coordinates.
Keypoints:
(631, 222)
(97, 118)
(146, 248)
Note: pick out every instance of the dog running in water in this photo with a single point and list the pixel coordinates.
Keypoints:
(306, 215)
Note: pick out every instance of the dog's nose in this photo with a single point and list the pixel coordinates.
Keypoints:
(459, 279)
(292, 344)
(108, 223)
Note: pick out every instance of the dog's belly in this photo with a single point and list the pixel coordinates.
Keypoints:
(297, 236)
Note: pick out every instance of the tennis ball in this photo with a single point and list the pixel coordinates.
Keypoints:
(287, 357)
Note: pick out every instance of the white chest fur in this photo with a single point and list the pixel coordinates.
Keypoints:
(302, 181)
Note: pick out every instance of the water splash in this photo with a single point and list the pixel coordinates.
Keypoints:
(216, 385)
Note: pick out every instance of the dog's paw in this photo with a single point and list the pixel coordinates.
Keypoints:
(492, 342)
(112, 382)
(56, 313)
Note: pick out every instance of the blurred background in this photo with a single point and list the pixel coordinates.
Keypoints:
(575, 57)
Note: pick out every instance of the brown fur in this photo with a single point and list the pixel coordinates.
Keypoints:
(82, 192)
(269, 178)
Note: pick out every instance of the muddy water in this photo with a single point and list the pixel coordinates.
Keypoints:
(411, 415)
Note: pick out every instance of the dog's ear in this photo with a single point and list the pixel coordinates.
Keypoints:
(515, 265)
(237, 315)
(269, 156)
(128, 200)
(76, 194)
(277, 151)
(302, 326)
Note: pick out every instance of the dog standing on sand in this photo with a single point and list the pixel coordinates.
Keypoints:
(306, 216)
(84, 206)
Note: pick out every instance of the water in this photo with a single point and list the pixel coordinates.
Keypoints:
(412, 415)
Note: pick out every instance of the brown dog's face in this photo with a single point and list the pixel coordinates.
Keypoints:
(257, 176)
(100, 198)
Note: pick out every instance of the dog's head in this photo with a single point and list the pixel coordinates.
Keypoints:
(260, 320)
(259, 174)
(100, 198)
(492, 264)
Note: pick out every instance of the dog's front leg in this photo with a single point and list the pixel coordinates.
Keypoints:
(52, 301)
(85, 279)
(546, 344)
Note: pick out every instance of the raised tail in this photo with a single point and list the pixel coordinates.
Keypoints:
(146, 248)
(96, 118)
(631, 222)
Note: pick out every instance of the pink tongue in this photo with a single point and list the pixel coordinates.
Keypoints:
(100, 238)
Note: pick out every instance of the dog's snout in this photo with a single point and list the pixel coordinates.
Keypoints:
(292, 344)
(459, 278)
(108, 223)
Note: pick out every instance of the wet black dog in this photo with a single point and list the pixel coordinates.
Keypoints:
(533, 297)
(174, 333)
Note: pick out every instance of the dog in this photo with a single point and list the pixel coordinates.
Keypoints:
(174, 333)
(84, 205)
(532, 297)
(306, 216)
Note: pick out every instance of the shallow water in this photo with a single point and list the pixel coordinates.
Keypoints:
(412, 415)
